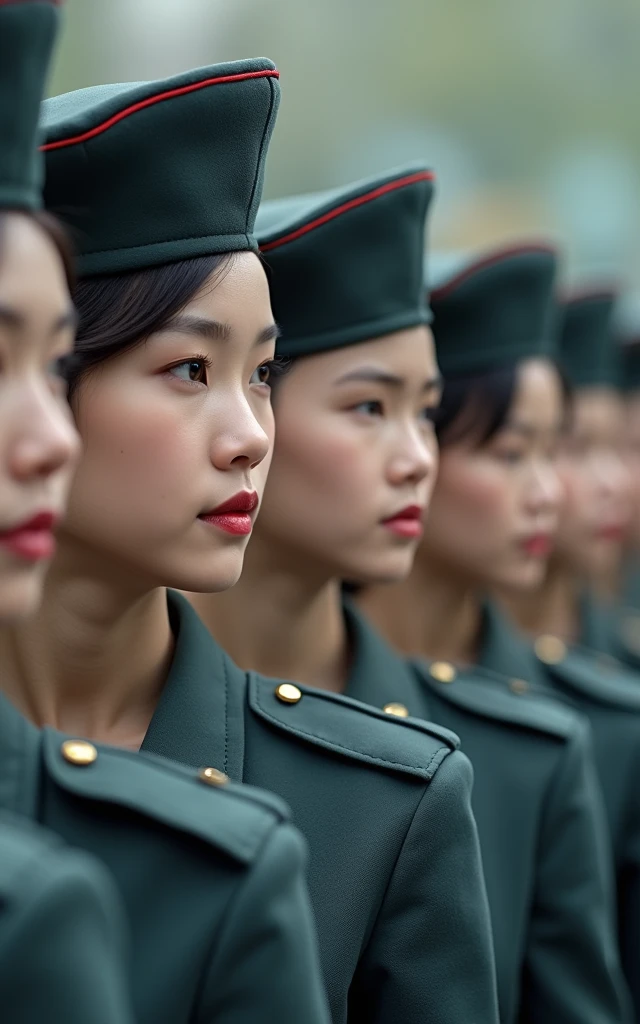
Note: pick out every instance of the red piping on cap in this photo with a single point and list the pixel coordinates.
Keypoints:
(151, 100)
(391, 186)
(487, 261)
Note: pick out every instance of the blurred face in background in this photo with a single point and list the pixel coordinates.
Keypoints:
(597, 503)
(494, 509)
(632, 459)
(355, 458)
(38, 442)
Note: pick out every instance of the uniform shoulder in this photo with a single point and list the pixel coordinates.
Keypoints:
(351, 729)
(488, 695)
(204, 803)
(589, 675)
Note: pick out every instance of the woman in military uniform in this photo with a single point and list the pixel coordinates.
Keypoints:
(210, 875)
(169, 387)
(491, 520)
(568, 629)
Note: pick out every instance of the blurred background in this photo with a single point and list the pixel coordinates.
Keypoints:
(527, 109)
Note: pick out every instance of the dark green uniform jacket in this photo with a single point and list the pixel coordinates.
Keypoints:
(610, 697)
(395, 874)
(211, 876)
(612, 630)
(541, 833)
(62, 937)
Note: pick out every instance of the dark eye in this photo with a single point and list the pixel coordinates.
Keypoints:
(371, 408)
(430, 413)
(262, 374)
(194, 370)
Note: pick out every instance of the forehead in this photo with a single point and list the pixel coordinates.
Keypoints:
(409, 353)
(599, 409)
(30, 266)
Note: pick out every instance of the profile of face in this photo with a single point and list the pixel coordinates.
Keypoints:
(38, 442)
(495, 506)
(632, 461)
(177, 433)
(597, 488)
(355, 458)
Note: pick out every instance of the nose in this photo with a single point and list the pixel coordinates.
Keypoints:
(244, 440)
(416, 457)
(545, 493)
(44, 439)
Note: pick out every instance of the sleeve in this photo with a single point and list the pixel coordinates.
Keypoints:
(572, 973)
(266, 965)
(62, 945)
(628, 878)
(430, 956)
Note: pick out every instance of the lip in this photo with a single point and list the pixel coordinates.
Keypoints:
(538, 545)
(32, 539)
(407, 522)
(612, 531)
(235, 515)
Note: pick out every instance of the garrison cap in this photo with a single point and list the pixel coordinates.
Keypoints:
(346, 264)
(627, 337)
(494, 309)
(27, 33)
(588, 353)
(630, 359)
(148, 173)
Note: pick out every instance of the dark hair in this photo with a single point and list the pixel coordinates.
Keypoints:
(120, 311)
(477, 405)
(54, 231)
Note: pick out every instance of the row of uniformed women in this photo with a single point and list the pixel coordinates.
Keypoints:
(177, 380)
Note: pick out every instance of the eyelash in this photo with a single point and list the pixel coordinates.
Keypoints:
(278, 366)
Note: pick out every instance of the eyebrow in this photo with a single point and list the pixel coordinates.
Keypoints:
(528, 430)
(213, 330)
(16, 322)
(371, 375)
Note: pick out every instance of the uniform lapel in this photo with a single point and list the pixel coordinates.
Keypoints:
(19, 762)
(377, 675)
(199, 719)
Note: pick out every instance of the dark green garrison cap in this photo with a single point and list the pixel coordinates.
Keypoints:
(492, 310)
(147, 173)
(588, 353)
(630, 358)
(346, 265)
(27, 32)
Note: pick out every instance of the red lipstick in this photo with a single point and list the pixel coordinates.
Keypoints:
(33, 539)
(234, 515)
(407, 522)
(538, 545)
(613, 532)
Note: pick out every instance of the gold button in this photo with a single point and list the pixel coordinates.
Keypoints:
(443, 671)
(213, 777)
(79, 752)
(288, 693)
(550, 649)
(518, 685)
(398, 710)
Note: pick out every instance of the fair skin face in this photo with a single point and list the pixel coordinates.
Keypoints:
(355, 446)
(172, 429)
(492, 516)
(597, 487)
(632, 459)
(39, 445)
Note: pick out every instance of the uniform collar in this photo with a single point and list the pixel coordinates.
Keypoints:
(19, 761)
(502, 649)
(377, 675)
(199, 719)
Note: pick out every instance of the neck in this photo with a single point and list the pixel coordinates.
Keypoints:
(280, 621)
(94, 659)
(433, 614)
(551, 608)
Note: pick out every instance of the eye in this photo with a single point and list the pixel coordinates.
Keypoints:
(57, 370)
(262, 374)
(370, 408)
(192, 370)
(430, 413)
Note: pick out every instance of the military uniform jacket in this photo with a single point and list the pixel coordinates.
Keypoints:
(611, 629)
(62, 937)
(610, 697)
(540, 832)
(211, 877)
(395, 875)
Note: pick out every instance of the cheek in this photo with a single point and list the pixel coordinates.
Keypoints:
(574, 495)
(477, 498)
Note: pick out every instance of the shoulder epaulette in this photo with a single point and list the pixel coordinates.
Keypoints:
(202, 803)
(598, 677)
(347, 727)
(489, 695)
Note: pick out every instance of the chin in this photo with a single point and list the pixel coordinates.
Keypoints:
(522, 579)
(391, 567)
(206, 576)
(20, 594)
